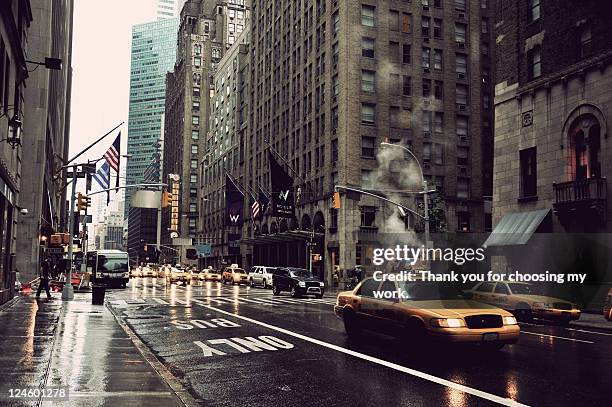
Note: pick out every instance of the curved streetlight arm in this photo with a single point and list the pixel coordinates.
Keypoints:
(128, 187)
(384, 143)
(382, 198)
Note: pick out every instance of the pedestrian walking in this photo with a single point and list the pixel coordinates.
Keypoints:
(44, 280)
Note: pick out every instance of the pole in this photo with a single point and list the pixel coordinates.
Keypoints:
(426, 207)
(92, 144)
(68, 291)
(310, 251)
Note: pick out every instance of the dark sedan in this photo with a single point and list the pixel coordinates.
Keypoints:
(297, 281)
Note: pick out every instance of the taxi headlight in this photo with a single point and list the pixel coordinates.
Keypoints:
(302, 284)
(510, 320)
(321, 284)
(447, 322)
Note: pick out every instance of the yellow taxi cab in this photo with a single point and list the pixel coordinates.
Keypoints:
(212, 275)
(607, 309)
(422, 310)
(525, 300)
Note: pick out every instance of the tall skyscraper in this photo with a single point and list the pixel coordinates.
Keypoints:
(169, 8)
(153, 55)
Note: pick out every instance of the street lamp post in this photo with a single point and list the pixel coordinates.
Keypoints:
(425, 191)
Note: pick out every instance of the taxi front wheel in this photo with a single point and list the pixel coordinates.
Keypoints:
(351, 325)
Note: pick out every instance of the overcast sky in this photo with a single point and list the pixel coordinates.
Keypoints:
(101, 70)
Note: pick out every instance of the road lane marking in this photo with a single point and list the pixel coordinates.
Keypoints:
(556, 337)
(438, 380)
(589, 332)
(160, 301)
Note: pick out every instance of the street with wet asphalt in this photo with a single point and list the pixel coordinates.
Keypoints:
(227, 345)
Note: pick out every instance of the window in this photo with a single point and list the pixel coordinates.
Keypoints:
(502, 288)
(461, 64)
(194, 164)
(439, 122)
(195, 135)
(406, 53)
(460, 5)
(485, 287)
(439, 90)
(194, 149)
(427, 152)
(438, 3)
(535, 62)
(336, 21)
(461, 95)
(535, 9)
(463, 188)
(368, 113)
(368, 216)
(368, 15)
(438, 154)
(462, 127)
(197, 62)
(463, 221)
(425, 21)
(394, 116)
(394, 52)
(196, 106)
(426, 88)
(193, 207)
(528, 172)
(484, 26)
(426, 123)
(334, 121)
(406, 23)
(437, 28)
(334, 150)
(368, 81)
(426, 58)
(366, 179)
(585, 41)
(368, 287)
(438, 59)
(460, 33)
(195, 120)
(193, 178)
(367, 47)
(368, 147)
(406, 86)
(394, 20)
(463, 155)
(484, 4)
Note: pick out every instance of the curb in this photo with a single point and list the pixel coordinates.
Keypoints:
(10, 303)
(592, 326)
(184, 396)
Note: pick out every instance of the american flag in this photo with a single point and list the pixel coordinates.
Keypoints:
(112, 154)
(255, 209)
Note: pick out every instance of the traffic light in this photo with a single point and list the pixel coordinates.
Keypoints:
(166, 199)
(83, 202)
(336, 200)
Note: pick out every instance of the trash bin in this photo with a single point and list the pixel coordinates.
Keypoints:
(97, 294)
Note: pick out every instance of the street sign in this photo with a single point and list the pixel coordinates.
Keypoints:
(55, 250)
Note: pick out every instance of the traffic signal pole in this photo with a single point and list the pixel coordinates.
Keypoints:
(68, 291)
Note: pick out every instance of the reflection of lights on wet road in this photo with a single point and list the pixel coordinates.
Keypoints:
(172, 294)
(453, 396)
(512, 388)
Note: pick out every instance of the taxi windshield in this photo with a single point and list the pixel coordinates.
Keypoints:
(239, 271)
(526, 289)
(429, 290)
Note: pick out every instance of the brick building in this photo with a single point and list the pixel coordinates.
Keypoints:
(329, 81)
(553, 98)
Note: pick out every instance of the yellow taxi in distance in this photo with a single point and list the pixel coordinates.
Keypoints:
(423, 310)
(607, 310)
(525, 300)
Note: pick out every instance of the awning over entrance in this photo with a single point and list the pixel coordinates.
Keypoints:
(290, 236)
(516, 228)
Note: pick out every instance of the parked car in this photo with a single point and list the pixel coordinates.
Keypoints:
(524, 300)
(213, 275)
(261, 275)
(297, 281)
(178, 273)
(425, 311)
(234, 275)
(607, 310)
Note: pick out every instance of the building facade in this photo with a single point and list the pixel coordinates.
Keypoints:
(153, 55)
(169, 8)
(16, 17)
(46, 133)
(142, 230)
(225, 143)
(330, 81)
(207, 29)
(552, 155)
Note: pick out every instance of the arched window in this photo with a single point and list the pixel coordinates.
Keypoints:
(584, 141)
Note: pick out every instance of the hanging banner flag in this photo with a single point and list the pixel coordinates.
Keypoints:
(234, 203)
(264, 202)
(283, 202)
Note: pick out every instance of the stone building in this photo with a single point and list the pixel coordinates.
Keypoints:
(331, 80)
(15, 18)
(553, 98)
(207, 28)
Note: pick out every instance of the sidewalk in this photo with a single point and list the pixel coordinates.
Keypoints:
(592, 321)
(79, 345)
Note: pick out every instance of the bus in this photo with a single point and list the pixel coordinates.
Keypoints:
(111, 267)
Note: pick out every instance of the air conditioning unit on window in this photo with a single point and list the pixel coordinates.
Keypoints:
(461, 16)
(461, 44)
(461, 75)
(426, 101)
(461, 107)
(426, 133)
(463, 171)
(463, 139)
(426, 70)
